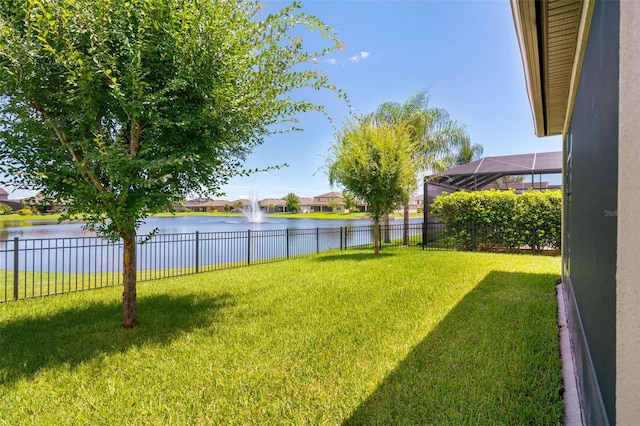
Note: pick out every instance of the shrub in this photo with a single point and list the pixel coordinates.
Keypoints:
(491, 218)
(5, 209)
(25, 211)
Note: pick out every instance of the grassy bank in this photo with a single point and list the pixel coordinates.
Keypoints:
(14, 217)
(315, 215)
(342, 338)
(312, 215)
(321, 215)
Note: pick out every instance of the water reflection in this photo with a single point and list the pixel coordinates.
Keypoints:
(41, 228)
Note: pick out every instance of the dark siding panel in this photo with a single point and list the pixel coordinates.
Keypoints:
(590, 206)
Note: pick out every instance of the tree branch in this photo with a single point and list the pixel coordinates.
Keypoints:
(134, 141)
(101, 142)
(86, 173)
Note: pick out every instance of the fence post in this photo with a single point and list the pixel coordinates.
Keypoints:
(424, 234)
(341, 238)
(287, 243)
(473, 236)
(346, 237)
(533, 247)
(248, 247)
(16, 265)
(317, 240)
(197, 252)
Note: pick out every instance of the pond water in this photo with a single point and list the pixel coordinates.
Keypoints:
(50, 228)
(46, 247)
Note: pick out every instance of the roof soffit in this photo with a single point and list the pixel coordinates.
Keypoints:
(551, 36)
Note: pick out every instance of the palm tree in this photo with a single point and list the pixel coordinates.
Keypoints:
(466, 153)
(435, 137)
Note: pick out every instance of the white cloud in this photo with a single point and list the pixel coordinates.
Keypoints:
(332, 61)
(359, 56)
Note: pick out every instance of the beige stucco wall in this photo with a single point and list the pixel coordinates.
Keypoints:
(628, 261)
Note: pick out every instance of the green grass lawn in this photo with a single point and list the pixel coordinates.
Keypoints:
(408, 337)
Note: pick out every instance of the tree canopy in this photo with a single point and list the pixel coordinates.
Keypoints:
(350, 202)
(121, 109)
(374, 163)
(435, 137)
(292, 202)
(436, 140)
(464, 154)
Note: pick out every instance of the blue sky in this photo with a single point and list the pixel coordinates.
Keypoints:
(465, 53)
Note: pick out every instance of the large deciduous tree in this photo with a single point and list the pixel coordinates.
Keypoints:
(121, 109)
(375, 163)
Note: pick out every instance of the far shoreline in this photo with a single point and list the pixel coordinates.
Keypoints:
(313, 215)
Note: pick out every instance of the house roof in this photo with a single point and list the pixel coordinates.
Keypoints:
(216, 203)
(552, 35)
(3, 192)
(476, 174)
(275, 201)
(330, 195)
(305, 201)
(206, 202)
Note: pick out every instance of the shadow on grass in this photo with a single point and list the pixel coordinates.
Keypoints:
(72, 336)
(494, 359)
(359, 256)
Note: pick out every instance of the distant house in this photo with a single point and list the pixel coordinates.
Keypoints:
(41, 204)
(4, 199)
(194, 203)
(416, 202)
(306, 204)
(329, 202)
(242, 203)
(206, 205)
(273, 205)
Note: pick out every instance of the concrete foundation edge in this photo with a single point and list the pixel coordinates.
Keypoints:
(572, 407)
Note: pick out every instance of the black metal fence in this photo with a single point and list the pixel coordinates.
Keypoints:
(542, 238)
(41, 267)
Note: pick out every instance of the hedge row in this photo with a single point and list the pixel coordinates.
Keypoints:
(490, 218)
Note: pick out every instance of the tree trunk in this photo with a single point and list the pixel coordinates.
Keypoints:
(129, 301)
(405, 230)
(387, 235)
(376, 235)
